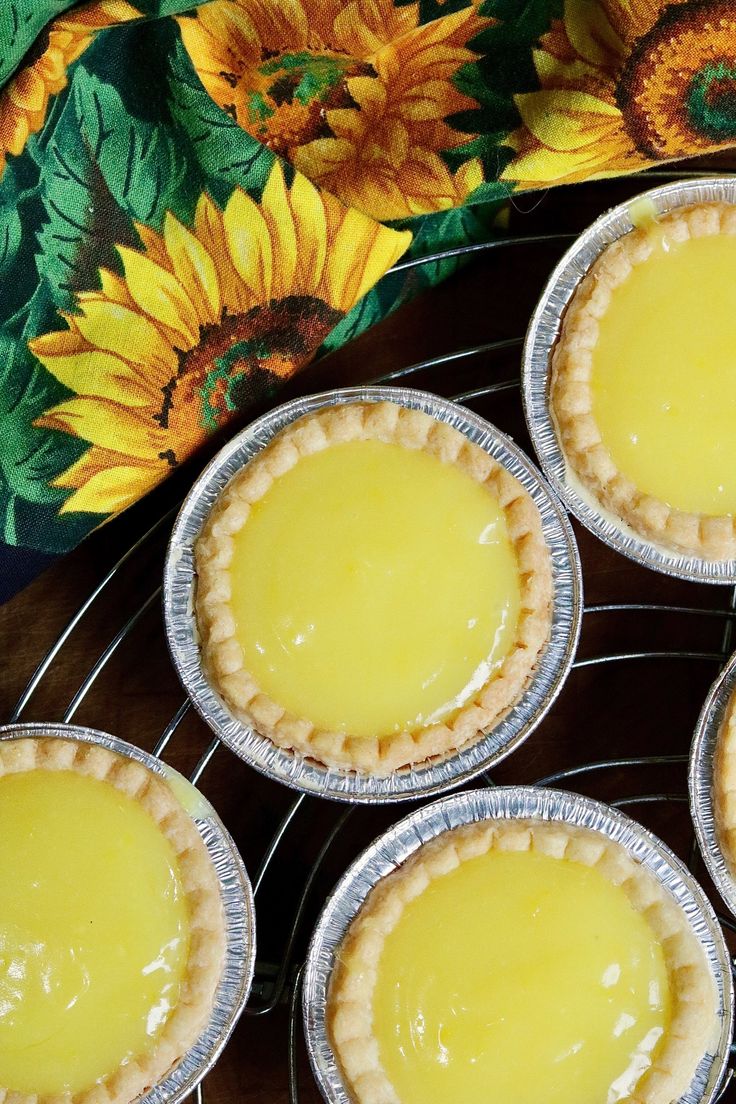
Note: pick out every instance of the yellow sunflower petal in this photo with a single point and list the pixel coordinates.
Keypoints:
(469, 177)
(554, 72)
(105, 13)
(218, 39)
(53, 61)
(362, 27)
(346, 122)
(194, 268)
(160, 295)
(544, 166)
(28, 90)
(367, 92)
(249, 243)
(209, 229)
(153, 245)
(112, 287)
(116, 328)
(429, 175)
(421, 205)
(276, 209)
(567, 120)
(323, 156)
(107, 424)
(60, 343)
(360, 253)
(396, 137)
(310, 225)
(374, 192)
(111, 490)
(591, 33)
(100, 374)
(14, 129)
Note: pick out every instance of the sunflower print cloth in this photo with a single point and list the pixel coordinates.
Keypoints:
(196, 199)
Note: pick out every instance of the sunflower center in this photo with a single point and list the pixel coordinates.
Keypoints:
(287, 97)
(676, 89)
(711, 101)
(237, 361)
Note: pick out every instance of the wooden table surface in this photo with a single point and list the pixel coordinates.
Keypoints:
(634, 708)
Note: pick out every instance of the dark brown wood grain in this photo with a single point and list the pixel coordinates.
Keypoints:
(634, 708)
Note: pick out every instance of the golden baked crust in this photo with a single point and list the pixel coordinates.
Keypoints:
(724, 785)
(349, 1001)
(222, 655)
(571, 399)
(200, 884)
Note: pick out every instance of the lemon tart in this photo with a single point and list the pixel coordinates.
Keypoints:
(111, 925)
(527, 960)
(373, 589)
(643, 388)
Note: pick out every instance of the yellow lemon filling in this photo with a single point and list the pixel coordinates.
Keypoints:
(375, 588)
(94, 931)
(519, 977)
(664, 374)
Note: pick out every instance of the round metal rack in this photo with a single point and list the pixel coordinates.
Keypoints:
(277, 984)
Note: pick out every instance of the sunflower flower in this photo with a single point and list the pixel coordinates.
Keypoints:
(161, 354)
(356, 95)
(625, 83)
(25, 98)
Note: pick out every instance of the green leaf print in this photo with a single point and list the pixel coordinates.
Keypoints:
(225, 154)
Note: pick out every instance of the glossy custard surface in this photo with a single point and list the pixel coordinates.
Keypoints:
(94, 932)
(374, 588)
(664, 374)
(518, 977)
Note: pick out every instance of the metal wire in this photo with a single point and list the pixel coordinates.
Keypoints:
(481, 247)
(283, 982)
(107, 655)
(609, 764)
(449, 358)
(282, 977)
(620, 657)
(63, 637)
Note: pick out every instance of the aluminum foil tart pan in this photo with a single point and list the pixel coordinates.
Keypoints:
(540, 341)
(306, 774)
(237, 900)
(509, 803)
(702, 804)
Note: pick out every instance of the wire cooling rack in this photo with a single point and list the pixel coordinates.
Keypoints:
(277, 984)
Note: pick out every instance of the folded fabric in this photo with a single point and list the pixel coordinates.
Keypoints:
(196, 199)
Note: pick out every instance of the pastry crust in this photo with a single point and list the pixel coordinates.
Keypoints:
(349, 1001)
(200, 884)
(571, 397)
(222, 655)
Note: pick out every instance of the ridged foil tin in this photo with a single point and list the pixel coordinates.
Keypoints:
(702, 803)
(305, 774)
(541, 338)
(237, 900)
(509, 803)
